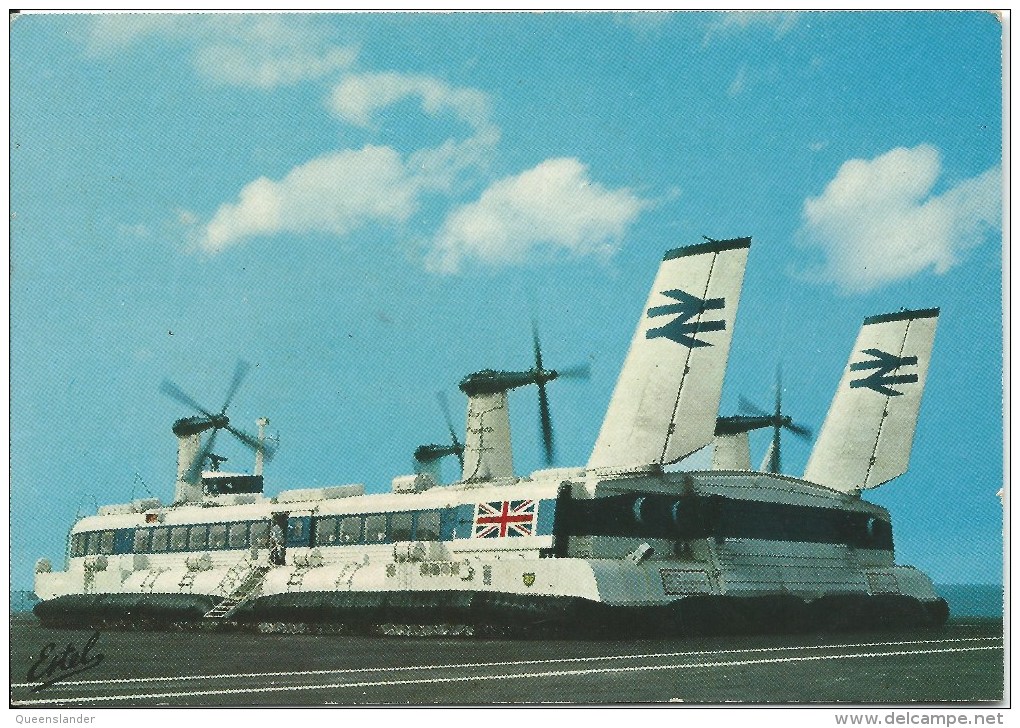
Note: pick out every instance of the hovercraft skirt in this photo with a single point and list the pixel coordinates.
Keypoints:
(506, 612)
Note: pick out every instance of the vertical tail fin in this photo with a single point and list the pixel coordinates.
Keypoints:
(869, 430)
(666, 399)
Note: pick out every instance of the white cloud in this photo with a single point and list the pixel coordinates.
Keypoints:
(554, 205)
(732, 22)
(239, 64)
(338, 192)
(242, 49)
(335, 193)
(358, 97)
(644, 22)
(877, 221)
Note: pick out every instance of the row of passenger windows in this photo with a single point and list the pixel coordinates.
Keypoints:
(376, 528)
(94, 542)
(201, 537)
(328, 531)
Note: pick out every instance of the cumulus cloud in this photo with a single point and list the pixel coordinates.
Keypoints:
(339, 192)
(241, 49)
(877, 221)
(335, 193)
(554, 206)
(358, 97)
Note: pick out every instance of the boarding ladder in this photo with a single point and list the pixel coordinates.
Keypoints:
(241, 593)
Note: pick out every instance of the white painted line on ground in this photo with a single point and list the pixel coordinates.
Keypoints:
(508, 663)
(504, 676)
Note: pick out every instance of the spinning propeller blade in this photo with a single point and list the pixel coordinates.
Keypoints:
(173, 391)
(215, 422)
(776, 420)
(195, 469)
(459, 448)
(430, 453)
(239, 373)
(544, 418)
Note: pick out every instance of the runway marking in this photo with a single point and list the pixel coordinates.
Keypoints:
(505, 676)
(508, 663)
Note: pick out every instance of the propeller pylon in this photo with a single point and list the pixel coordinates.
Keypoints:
(491, 381)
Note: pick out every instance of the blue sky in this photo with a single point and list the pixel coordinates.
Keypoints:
(368, 207)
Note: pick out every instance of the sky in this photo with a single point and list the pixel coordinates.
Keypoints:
(368, 207)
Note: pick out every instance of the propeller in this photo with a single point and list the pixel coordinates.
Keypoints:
(542, 375)
(216, 422)
(776, 420)
(430, 453)
(490, 381)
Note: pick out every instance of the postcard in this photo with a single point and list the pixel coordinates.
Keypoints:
(509, 358)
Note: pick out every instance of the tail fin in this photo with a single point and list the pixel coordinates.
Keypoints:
(666, 400)
(869, 431)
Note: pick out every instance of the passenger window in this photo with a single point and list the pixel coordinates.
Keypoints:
(217, 536)
(325, 532)
(428, 526)
(159, 539)
(178, 538)
(198, 538)
(106, 542)
(238, 535)
(350, 529)
(295, 529)
(260, 534)
(141, 540)
(400, 526)
(375, 528)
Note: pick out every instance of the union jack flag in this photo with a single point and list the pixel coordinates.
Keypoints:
(505, 518)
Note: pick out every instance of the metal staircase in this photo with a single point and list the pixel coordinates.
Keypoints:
(241, 593)
(187, 581)
(297, 576)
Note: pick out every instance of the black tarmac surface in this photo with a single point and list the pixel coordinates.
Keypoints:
(963, 662)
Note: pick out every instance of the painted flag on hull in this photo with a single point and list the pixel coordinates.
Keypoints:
(503, 519)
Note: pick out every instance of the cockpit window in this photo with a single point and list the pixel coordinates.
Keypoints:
(78, 543)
